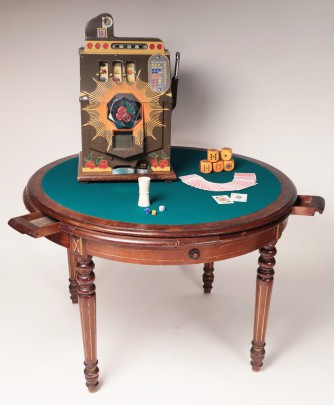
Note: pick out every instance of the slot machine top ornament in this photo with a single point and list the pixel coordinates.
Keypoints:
(126, 97)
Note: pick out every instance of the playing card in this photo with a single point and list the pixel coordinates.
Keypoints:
(239, 182)
(238, 197)
(222, 199)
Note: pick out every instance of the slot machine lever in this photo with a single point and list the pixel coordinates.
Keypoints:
(175, 79)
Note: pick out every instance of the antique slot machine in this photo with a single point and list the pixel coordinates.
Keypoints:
(126, 96)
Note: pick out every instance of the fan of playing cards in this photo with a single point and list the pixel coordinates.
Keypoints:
(239, 182)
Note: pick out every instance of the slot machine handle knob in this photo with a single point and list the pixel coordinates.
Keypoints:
(177, 65)
(175, 80)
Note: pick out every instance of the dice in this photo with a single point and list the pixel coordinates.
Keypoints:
(228, 165)
(217, 161)
(205, 166)
(213, 155)
(218, 166)
(226, 153)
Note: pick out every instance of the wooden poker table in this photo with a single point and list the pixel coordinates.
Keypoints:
(104, 220)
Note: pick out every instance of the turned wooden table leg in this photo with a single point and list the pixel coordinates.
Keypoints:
(72, 268)
(264, 285)
(87, 302)
(208, 277)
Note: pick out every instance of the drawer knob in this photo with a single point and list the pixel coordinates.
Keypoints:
(194, 254)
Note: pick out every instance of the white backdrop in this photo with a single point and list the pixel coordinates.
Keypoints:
(255, 75)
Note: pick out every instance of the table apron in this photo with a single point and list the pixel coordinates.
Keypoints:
(155, 251)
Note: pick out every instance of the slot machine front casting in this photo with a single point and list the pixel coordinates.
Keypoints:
(126, 96)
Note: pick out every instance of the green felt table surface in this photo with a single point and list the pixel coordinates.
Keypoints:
(185, 205)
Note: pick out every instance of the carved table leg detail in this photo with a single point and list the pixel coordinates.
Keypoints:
(208, 277)
(264, 285)
(73, 286)
(87, 302)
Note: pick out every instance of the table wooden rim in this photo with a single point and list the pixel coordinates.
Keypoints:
(34, 196)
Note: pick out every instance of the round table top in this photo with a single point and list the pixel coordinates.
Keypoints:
(113, 206)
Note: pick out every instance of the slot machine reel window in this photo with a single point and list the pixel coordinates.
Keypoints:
(130, 72)
(123, 70)
(103, 71)
(118, 72)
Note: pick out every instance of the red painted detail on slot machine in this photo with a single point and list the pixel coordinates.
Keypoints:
(98, 165)
(103, 164)
(154, 163)
(90, 165)
(152, 46)
(105, 46)
(163, 163)
(90, 45)
(126, 117)
(122, 114)
(159, 162)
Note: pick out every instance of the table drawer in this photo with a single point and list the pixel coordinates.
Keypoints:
(308, 205)
(35, 224)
